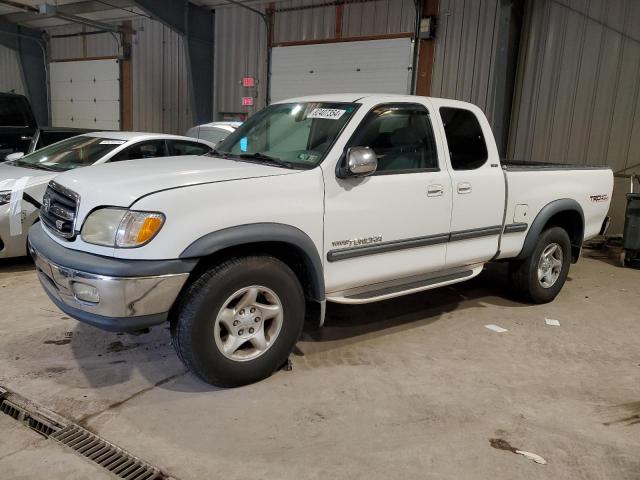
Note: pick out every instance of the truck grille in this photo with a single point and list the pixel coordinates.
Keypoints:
(59, 209)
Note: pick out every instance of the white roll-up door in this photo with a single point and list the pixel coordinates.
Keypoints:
(86, 94)
(372, 66)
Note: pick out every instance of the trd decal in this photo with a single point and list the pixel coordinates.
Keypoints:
(599, 198)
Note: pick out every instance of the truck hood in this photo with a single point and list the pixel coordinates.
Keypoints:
(9, 174)
(122, 183)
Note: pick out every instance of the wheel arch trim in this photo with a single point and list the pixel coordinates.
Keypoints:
(542, 218)
(248, 234)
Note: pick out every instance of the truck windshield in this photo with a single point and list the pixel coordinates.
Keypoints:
(293, 135)
(68, 154)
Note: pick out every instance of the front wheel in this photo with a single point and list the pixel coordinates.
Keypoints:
(239, 321)
(540, 277)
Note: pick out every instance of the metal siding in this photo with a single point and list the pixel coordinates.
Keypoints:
(241, 44)
(100, 45)
(375, 17)
(465, 51)
(65, 48)
(578, 88)
(378, 17)
(11, 78)
(103, 45)
(161, 93)
(240, 50)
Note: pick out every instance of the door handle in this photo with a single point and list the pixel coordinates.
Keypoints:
(435, 191)
(464, 187)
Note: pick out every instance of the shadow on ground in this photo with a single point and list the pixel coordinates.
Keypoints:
(107, 359)
(16, 265)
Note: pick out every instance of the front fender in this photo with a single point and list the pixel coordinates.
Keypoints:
(261, 233)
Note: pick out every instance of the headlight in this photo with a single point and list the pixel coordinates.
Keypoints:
(5, 197)
(121, 228)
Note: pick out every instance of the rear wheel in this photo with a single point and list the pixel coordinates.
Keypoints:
(540, 277)
(239, 321)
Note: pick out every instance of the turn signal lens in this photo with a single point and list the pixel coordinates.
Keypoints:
(137, 228)
(149, 228)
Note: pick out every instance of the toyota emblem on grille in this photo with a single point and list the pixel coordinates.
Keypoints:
(46, 203)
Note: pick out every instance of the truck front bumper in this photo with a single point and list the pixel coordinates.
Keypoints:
(102, 291)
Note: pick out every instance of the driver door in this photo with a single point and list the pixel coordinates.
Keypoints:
(393, 224)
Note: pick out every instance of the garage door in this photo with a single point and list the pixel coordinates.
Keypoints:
(86, 94)
(373, 66)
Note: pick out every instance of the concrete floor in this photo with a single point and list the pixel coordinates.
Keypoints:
(410, 388)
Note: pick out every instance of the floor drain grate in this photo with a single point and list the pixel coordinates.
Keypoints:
(105, 454)
(116, 460)
(39, 423)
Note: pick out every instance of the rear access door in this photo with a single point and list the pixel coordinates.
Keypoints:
(478, 186)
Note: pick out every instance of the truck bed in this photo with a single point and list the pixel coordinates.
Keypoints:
(533, 185)
(520, 165)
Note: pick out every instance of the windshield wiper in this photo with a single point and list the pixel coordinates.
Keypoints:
(266, 158)
(47, 168)
(218, 153)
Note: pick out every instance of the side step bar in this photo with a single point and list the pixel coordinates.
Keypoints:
(395, 288)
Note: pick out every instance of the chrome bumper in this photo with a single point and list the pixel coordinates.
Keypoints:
(118, 298)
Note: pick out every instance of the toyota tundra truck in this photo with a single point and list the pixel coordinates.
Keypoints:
(349, 198)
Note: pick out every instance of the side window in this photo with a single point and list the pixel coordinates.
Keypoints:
(467, 148)
(151, 149)
(401, 136)
(177, 147)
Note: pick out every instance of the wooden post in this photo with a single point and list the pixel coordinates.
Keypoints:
(427, 52)
(126, 80)
(339, 13)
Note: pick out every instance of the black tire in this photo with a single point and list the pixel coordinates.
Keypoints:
(192, 329)
(524, 273)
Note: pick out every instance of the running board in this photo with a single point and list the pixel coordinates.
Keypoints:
(385, 290)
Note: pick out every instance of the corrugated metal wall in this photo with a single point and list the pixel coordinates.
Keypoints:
(160, 82)
(161, 101)
(99, 45)
(241, 43)
(11, 77)
(578, 88)
(161, 93)
(301, 25)
(240, 50)
(378, 17)
(465, 51)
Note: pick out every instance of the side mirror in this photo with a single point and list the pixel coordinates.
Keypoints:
(14, 156)
(361, 161)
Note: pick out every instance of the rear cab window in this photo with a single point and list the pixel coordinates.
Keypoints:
(465, 140)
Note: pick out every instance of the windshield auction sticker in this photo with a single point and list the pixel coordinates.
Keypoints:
(326, 113)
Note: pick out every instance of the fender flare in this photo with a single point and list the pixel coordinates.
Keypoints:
(544, 215)
(263, 232)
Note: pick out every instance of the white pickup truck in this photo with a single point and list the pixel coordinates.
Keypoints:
(348, 198)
